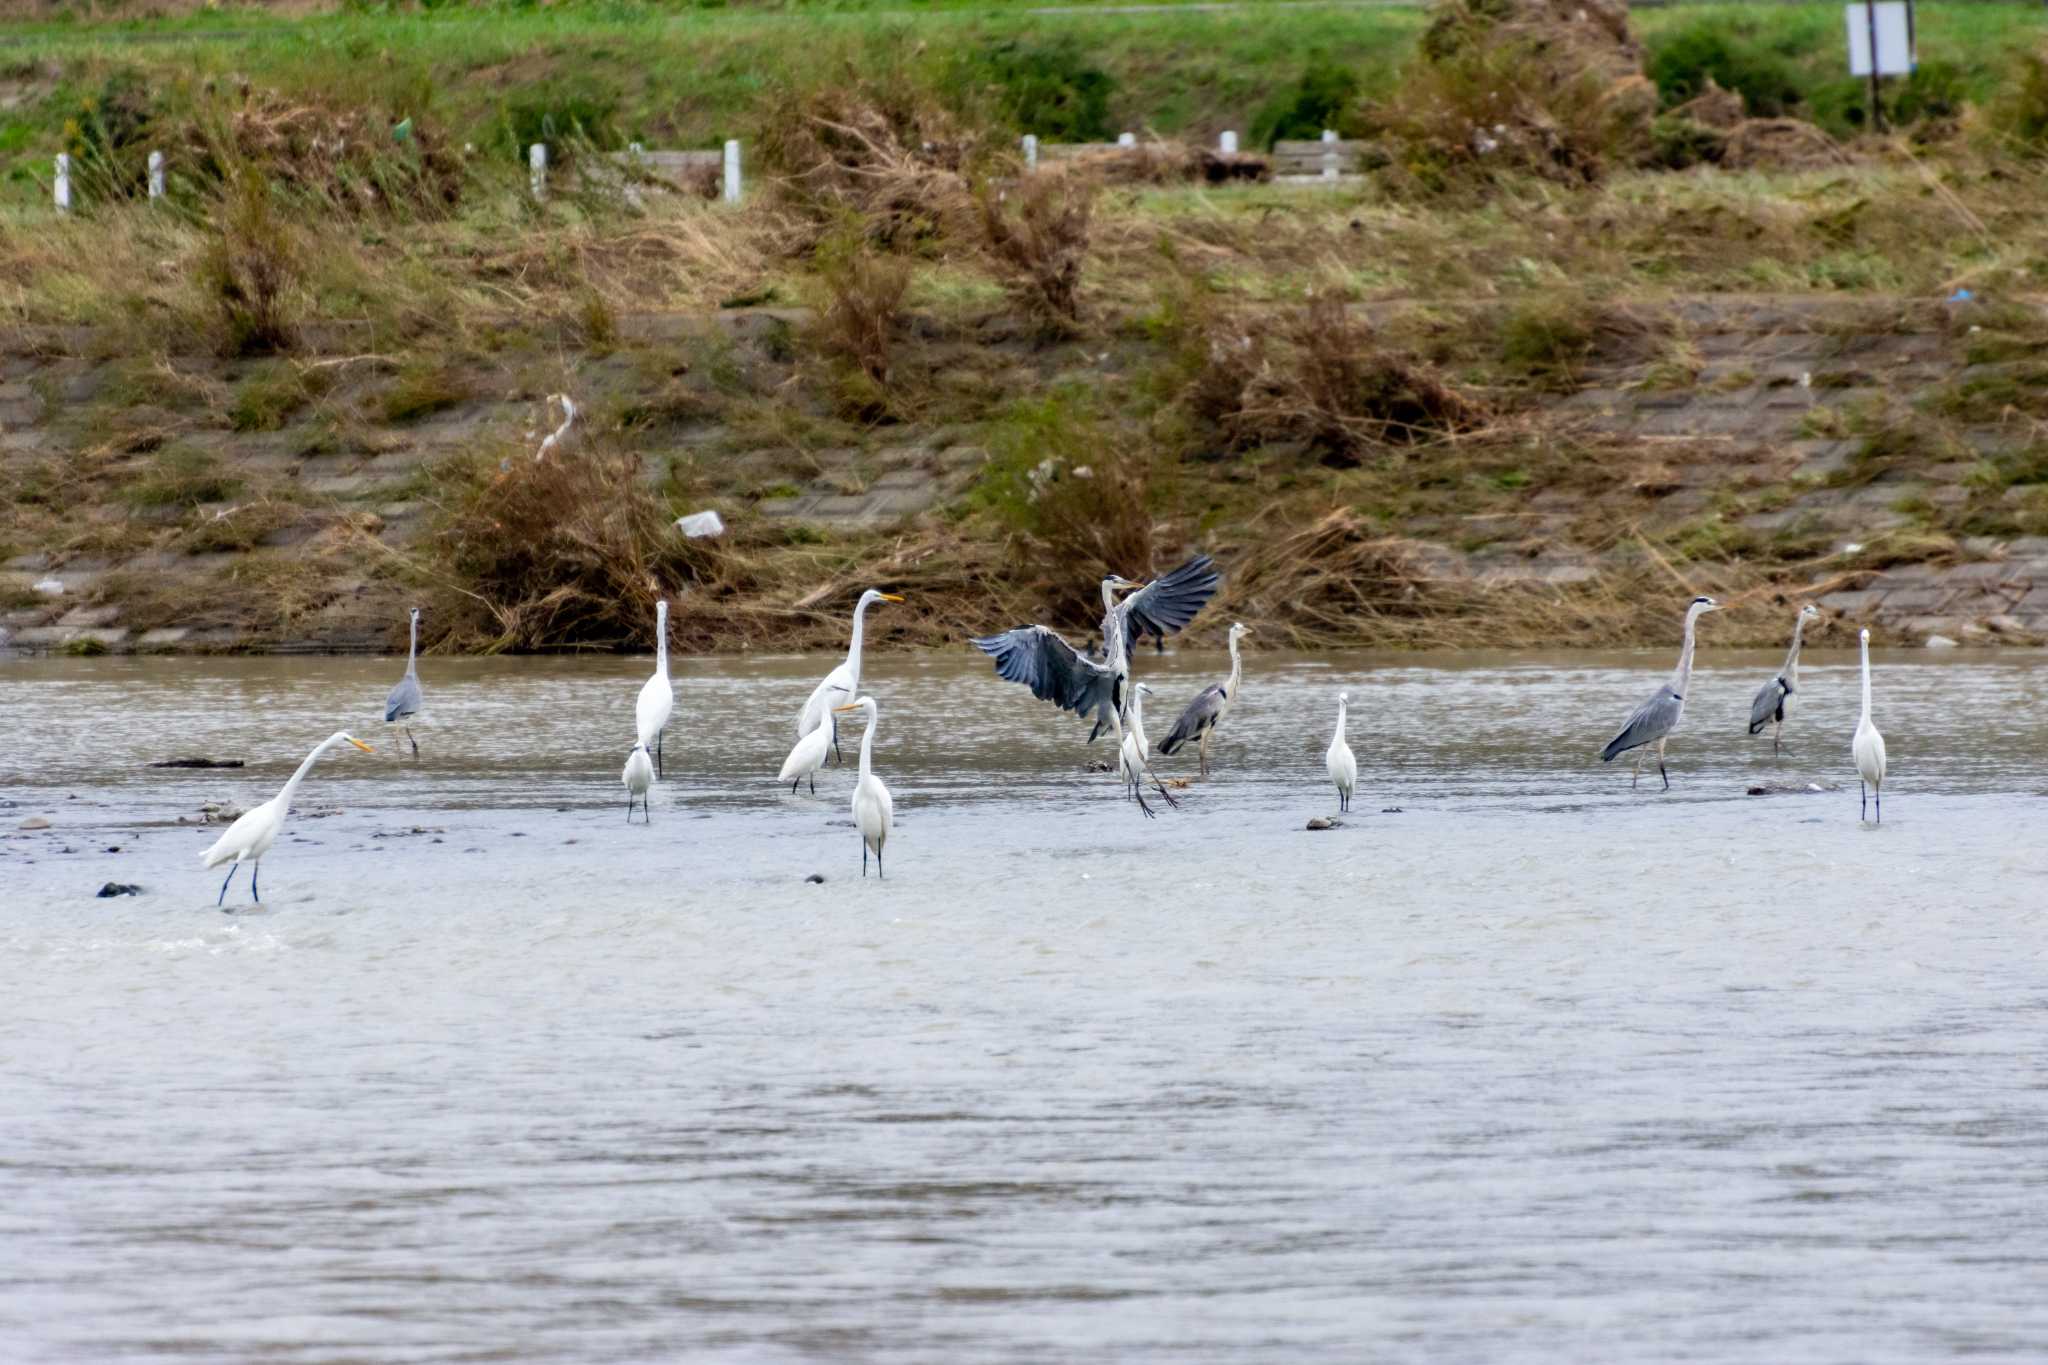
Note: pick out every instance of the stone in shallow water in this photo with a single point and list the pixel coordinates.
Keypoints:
(119, 889)
(1323, 822)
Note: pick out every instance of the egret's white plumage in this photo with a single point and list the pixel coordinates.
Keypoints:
(842, 684)
(1868, 746)
(873, 811)
(657, 697)
(1130, 759)
(638, 777)
(1343, 767)
(250, 837)
(557, 440)
(806, 757)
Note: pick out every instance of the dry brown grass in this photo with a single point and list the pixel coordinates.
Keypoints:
(1036, 230)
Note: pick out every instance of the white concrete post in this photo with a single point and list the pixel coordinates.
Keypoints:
(1126, 139)
(1030, 151)
(1329, 153)
(1227, 144)
(732, 171)
(637, 152)
(63, 182)
(537, 169)
(156, 175)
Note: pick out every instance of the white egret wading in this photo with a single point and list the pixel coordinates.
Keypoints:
(405, 701)
(1653, 721)
(557, 440)
(873, 811)
(1775, 696)
(1868, 746)
(250, 837)
(1342, 765)
(1210, 705)
(657, 697)
(1130, 757)
(638, 777)
(1056, 672)
(842, 684)
(807, 756)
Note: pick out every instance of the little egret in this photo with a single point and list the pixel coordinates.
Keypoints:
(638, 777)
(404, 702)
(873, 811)
(843, 682)
(1656, 718)
(1868, 746)
(556, 440)
(1776, 695)
(1130, 759)
(250, 837)
(1342, 765)
(657, 698)
(1210, 705)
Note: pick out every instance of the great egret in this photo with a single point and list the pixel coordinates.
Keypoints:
(1054, 671)
(556, 439)
(1868, 746)
(1656, 718)
(638, 777)
(844, 680)
(1210, 705)
(1130, 757)
(404, 702)
(873, 811)
(1343, 767)
(657, 698)
(250, 837)
(1775, 696)
(808, 755)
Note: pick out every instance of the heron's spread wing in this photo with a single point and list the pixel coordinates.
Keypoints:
(1050, 667)
(404, 699)
(1200, 715)
(1167, 604)
(1651, 722)
(1769, 705)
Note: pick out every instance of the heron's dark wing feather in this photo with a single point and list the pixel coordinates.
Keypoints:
(1166, 605)
(404, 699)
(1050, 667)
(1651, 722)
(1768, 706)
(1200, 715)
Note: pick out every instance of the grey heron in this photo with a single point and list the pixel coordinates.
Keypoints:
(842, 684)
(1210, 705)
(1868, 746)
(657, 697)
(1653, 721)
(404, 702)
(1037, 657)
(250, 837)
(1342, 765)
(638, 777)
(873, 810)
(1774, 696)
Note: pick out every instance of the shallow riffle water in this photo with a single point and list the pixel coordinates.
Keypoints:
(1517, 1064)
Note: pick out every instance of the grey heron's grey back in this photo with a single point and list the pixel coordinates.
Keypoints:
(1201, 713)
(404, 699)
(1649, 723)
(1769, 704)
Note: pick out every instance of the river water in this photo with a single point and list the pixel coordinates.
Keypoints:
(1514, 1065)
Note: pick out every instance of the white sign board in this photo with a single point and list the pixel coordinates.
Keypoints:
(1894, 47)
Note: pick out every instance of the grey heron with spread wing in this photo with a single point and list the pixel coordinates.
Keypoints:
(1653, 721)
(1056, 672)
(1775, 696)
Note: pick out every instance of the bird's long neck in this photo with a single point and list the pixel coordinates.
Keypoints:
(661, 639)
(1340, 720)
(412, 651)
(1137, 713)
(1681, 677)
(1866, 682)
(860, 628)
(284, 795)
(867, 747)
(1236, 668)
(1791, 669)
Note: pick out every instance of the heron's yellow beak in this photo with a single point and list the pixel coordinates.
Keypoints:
(890, 597)
(854, 707)
(360, 745)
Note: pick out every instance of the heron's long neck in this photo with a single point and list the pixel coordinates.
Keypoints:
(860, 626)
(1866, 682)
(1236, 669)
(1791, 669)
(867, 747)
(412, 652)
(661, 640)
(1681, 677)
(284, 796)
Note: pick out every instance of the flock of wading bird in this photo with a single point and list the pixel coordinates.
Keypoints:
(1089, 683)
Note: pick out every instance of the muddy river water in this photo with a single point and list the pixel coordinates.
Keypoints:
(1514, 1065)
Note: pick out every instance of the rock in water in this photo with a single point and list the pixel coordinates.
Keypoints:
(817, 877)
(35, 822)
(1321, 822)
(119, 889)
(198, 763)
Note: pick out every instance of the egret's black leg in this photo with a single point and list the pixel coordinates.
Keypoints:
(255, 898)
(863, 860)
(836, 755)
(659, 771)
(224, 886)
(814, 784)
(880, 875)
(1880, 805)
(792, 786)
(1863, 790)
